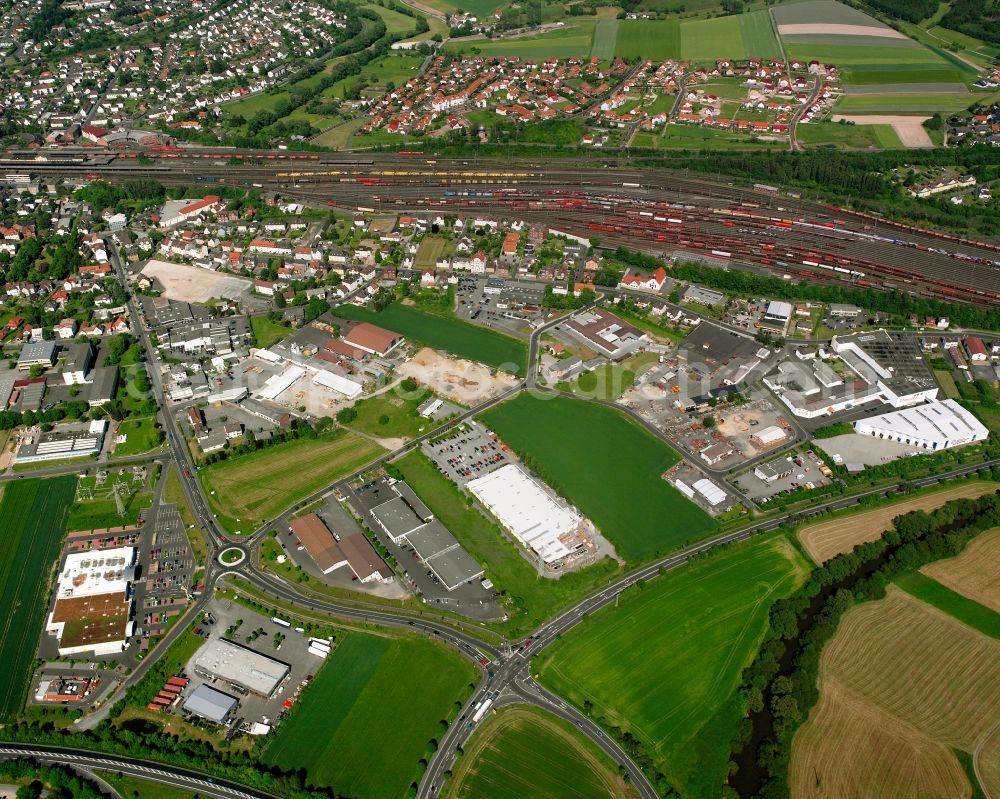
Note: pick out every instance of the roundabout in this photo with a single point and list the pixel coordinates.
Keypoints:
(232, 556)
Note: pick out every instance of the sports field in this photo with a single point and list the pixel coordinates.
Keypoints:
(33, 514)
(447, 334)
(365, 721)
(523, 751)
(247, 490)
(823, 540)
(533, 598)
(607, 466)
(902, 659)
(576, 39)
(656, 39)
(664, 662)
(975, 573)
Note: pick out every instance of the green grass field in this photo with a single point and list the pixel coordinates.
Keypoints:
(657, 39)
(143, 435)
(872, 65)
(709, 39)
(610, 381)
(265, 332)
(429, 251)
(446, 333)
(665, 661)
(247, 490)
(523, 751)
(102, 510)
(607, 466)
(533, 598)
(759, 36)
(34, 514)
(855, 137)
(368, 716)
(966, 610)
(903, 103)
(389, 416)
(394, 21)
(605, 36)
(576, 39)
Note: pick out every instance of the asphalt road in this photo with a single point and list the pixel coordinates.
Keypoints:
(508, 675)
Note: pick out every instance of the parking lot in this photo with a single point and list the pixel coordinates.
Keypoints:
(510, 306)
(226, 619)
(466, 452)
(432, 541)
(783, 475)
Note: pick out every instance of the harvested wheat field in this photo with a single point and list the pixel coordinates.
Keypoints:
(921, 665)
(824, 540)
(975, 573)
(850, 748)
(987, 762)
(900, 680)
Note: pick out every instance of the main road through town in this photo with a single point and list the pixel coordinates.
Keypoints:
(507, 677)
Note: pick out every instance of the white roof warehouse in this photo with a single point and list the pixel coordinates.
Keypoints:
(529, 513)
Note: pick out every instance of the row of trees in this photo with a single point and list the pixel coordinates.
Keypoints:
(895, 303)
(781, 684)
(55, 781)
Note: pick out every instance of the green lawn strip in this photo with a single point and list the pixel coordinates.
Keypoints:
(167, 664)
(394, 21)
(522, 751)
(135, 788)
(533, 598)
(33, 514)
(606, 465)
(966, 610)
(347, 731)
(663, 663)
(446, 333)
(265, 332)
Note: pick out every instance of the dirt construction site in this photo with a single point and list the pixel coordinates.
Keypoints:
(186, 283)
(464, 382)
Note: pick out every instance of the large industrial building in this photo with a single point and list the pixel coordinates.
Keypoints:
(529, 513)
(404, 518)
(934, 426)
(92, 610)
(329, 553)
(74, 440)
(606, 333)
(240, 667)
(372, 339)
(881, 368)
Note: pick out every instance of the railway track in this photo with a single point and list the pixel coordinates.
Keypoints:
(618, 205)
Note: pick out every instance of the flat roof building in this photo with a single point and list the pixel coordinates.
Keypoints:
(934, 426)
(606, 333)
(37, 353)
(776, 317)
(208, 703)
(103, 385)
(239, 666)
(529, 513)
(373, 339)
(73, 440)
(704, 296)
(91, 613)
